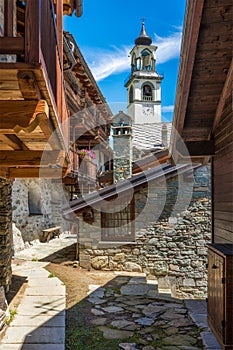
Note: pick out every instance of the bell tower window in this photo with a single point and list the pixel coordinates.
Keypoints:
(133, 63)
(146, 60)
(147, 93)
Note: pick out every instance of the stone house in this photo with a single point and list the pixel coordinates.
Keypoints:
(156, 222)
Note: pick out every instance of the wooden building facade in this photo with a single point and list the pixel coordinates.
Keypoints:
(32, 96)
(204, 121)
(48, 103)
(89, 121)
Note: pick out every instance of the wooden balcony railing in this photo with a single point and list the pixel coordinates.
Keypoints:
(38, 42)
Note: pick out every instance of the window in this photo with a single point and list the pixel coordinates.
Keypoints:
(146, 60)
(118, 225)
(133, 64)
(34, 201)
(147, 92)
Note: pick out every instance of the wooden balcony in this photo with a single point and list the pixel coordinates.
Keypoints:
(33, 141)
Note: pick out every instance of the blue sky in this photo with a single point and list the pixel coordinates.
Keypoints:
(106, 32)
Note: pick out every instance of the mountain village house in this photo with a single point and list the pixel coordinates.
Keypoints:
(163, 206)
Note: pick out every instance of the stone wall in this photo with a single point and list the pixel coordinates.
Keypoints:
(5, 244)
(172, 248)
(37, 204)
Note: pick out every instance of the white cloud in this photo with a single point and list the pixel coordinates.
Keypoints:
(107, 62)
(169, 47)
(168, 109)
(104, 63)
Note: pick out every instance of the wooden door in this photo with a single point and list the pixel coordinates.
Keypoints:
(216, 292)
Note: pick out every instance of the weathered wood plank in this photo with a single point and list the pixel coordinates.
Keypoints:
(222, 236)
(217, 3)
(26, 158)
(223, 215)
(9, 17)
(224, 225)
(8, 85)
(223, 198)
(19, 112)
(11, 45)
(221, 13)
(28, 85)
(8, 95)
(13, 67)
(197, 148)
(227, 206)
(11, 142)
(224, 94)
(49, 173)
(33, 31)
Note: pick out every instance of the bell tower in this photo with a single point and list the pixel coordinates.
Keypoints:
(144, 83)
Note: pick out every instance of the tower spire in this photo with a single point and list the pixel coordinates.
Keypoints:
(143, 38)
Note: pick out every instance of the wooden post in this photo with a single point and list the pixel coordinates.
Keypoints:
(59, 20)
(9, 18)
(33, 31)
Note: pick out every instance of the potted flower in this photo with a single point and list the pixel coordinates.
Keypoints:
(83, 152)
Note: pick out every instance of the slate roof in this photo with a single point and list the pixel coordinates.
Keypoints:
(147, 136)
(135, 182)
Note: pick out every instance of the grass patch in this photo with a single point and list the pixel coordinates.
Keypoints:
(35, 258)
(51, 275)
(10, 318)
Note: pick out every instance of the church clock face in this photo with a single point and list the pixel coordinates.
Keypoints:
(147, 110)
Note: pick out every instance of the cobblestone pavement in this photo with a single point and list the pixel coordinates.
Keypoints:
(130, 307)
(130, 313)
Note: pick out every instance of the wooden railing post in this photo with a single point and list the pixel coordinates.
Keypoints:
(33, 31)
(9, 10)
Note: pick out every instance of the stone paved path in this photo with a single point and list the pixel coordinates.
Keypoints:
(40, 320)
(130, 307)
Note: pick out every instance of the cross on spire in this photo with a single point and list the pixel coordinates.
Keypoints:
(143, 20)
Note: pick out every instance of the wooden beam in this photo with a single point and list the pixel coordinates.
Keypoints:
(11, 45)
(48, 173)
(26, 116)
(13, 141)
(30, 158)
(40, 118)
(15, 112)
(28, 85)
(227, 86)
(196, 148)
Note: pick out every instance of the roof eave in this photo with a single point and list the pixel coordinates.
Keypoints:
(193, 15)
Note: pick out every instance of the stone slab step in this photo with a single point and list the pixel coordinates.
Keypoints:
(38, 321)
(42, 305)
(30, 335)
